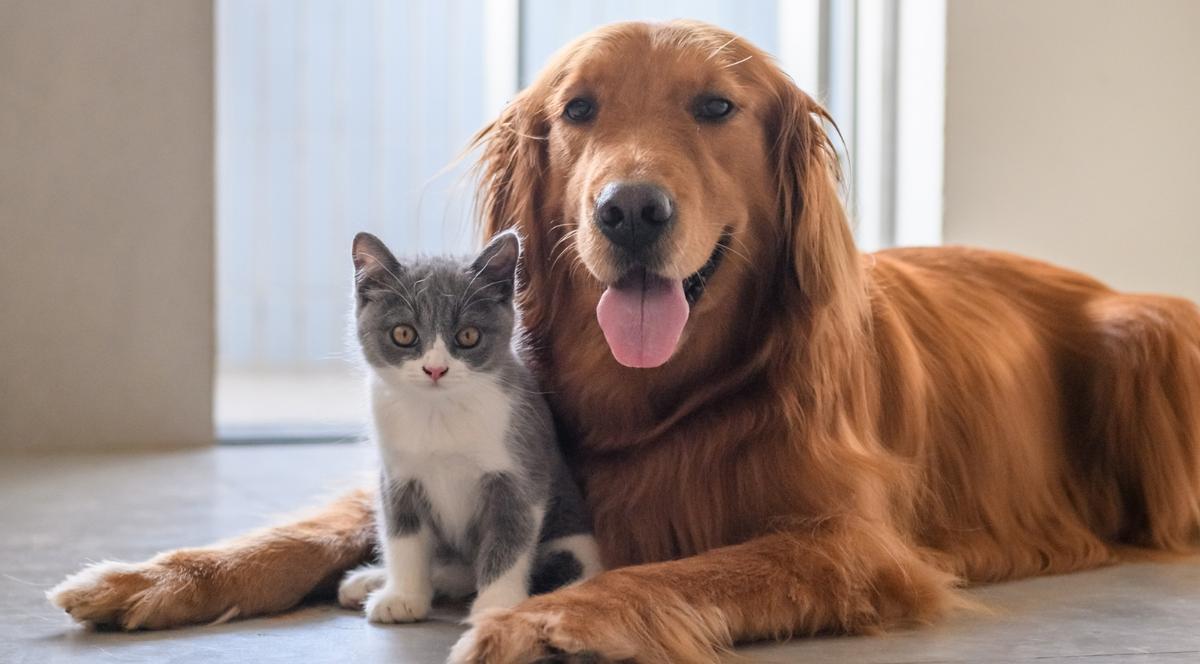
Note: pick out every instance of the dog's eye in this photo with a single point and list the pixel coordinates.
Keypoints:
(713, 109)
(579, 110)
(404, 336)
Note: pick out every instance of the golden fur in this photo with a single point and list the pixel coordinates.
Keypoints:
(840, 440)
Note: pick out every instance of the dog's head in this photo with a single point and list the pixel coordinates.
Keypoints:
(681, 168)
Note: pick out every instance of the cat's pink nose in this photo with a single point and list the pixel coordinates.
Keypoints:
(435, 372)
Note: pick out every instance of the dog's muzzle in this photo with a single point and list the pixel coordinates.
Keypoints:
(634, 216)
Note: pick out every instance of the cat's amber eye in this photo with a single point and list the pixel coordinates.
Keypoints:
(404, 335)
(467, 337)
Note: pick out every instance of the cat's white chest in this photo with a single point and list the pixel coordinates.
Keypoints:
(447, 440)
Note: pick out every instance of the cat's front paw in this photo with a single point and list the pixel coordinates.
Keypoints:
(391, 605)
(358, 584)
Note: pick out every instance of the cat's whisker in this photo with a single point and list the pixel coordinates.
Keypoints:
(406, 290)
(476, 293)
(389, 272)
(478, 272)
(419, 285)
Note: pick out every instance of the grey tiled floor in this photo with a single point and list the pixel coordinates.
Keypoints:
(57, 512)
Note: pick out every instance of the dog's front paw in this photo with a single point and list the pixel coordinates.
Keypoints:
(165, 592)
(542, 631)
(503, 636)
(611, 618)
(391, 605)
(103, 594)
(358, 584)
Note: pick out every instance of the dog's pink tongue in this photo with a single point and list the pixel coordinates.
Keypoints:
(642, 317)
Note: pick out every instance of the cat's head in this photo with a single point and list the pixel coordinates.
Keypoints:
(435, 323)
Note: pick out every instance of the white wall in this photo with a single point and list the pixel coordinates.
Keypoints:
(106, 257)
(1073, 134)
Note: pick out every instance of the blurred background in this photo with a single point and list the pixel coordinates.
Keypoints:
(334, 117)
(179, 181)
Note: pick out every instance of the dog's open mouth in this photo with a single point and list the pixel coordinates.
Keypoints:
(643, 314)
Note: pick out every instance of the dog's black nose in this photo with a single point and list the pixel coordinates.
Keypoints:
(633, 214)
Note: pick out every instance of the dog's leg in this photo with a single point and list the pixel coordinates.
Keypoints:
(851, 576)
(263, 572)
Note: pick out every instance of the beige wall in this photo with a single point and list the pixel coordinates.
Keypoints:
(1073, 134)
(106, 240)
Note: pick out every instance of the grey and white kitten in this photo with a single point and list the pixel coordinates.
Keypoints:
(475, 496)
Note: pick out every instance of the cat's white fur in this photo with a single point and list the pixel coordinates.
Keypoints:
(446, 436)
(407, 591)
(451, 580)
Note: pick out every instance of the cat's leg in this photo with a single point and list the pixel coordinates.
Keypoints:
(407, 592)
(508, 526)
(452, 579)
(407, 542)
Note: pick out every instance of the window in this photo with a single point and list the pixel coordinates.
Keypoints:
(331, 118)
(337, 117)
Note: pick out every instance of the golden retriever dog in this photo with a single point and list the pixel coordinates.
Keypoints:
(777, 435)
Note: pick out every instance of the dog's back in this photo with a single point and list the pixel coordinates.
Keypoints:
(1049, 414)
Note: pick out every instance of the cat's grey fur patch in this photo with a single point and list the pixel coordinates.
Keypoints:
(404, 503)
(565, 511)
(502, 527)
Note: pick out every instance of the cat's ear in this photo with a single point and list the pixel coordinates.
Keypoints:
(374, 265)
(496, 265)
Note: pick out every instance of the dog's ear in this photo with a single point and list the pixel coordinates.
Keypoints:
(822, 255)
(510, 169)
